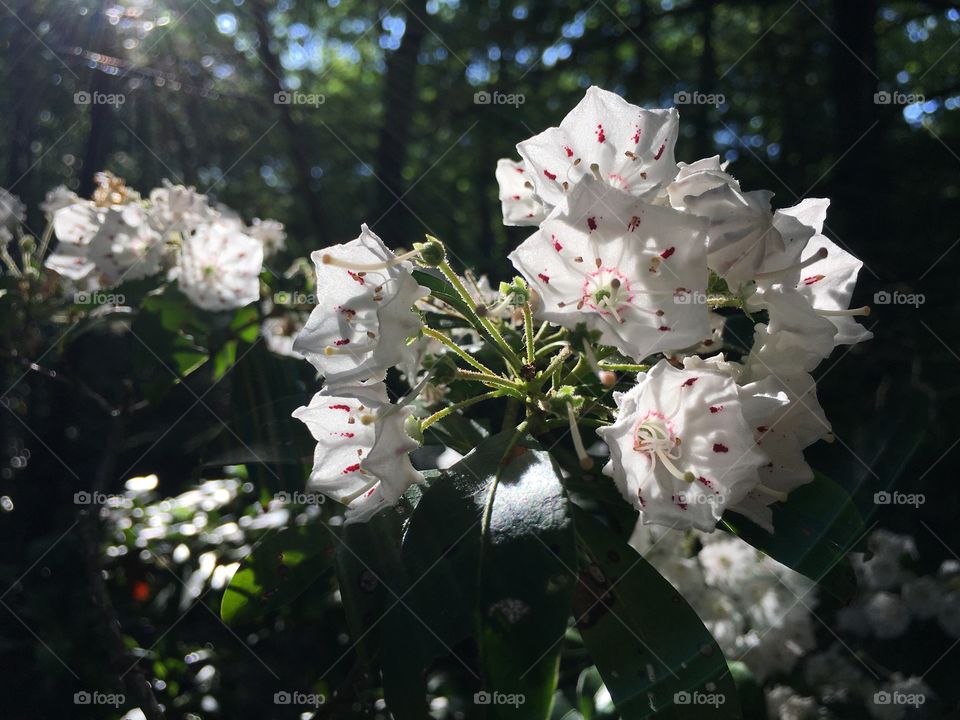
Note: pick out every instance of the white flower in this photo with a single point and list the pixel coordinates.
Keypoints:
(363, 317)
(74, 226)
(12, 211)
(270, 233)
(176, 208)
(742, 232)
(280, 333)
(60, 197)
(362, 454)
(681, 449)
(887, 615)
(728, 563)
(923, 596)
(519, 203)
(124, 246)
(949, 613)
(606, 137)
(828, 283)
(796, 338)
(783, 703)
(219, 267)
(629, 269)
(694, 179)
(782, 437)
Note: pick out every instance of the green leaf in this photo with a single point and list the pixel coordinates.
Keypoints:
(442, 290)
(815, 529)
(487, 556)
(652, 650)
(281, 567)
(526, 583)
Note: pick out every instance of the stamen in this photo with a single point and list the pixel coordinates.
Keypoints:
(860, 311)
(775, 494)
(595, 169)
(346, 347)
(816, 257)
(329, 259)
(586, 462)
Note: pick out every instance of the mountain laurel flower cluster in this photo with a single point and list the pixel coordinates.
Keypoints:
(618, 323)
(174, 234)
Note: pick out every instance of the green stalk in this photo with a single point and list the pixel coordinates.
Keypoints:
(440, 414)
(440, 337)
(511, 357)
(528, 331)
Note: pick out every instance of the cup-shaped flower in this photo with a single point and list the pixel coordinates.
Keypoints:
(74, 225)
(681, 448)
(606, 137)
(125, 246)
(177, 208)
(517, 200)
(364, 313)
(219, 267)
(634, 271)
(362, 454)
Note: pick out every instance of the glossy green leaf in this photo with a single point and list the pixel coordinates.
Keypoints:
(281, 567)
(815, 529)
(655, 655)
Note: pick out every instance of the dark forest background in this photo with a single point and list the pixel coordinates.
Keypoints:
(855, 100)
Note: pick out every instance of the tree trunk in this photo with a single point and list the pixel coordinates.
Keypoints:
(300, 150)
(399, 103)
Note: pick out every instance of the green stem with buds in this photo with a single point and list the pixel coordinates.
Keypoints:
(528, 331)
(511, 357)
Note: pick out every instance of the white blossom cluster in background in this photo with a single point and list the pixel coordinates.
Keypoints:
(747, 600)
(118, 236)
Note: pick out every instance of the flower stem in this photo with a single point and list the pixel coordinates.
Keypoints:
(528, 331)
(491, 379)
(511, 357)
(440, 414)
(624, 367)
(447, 342)
(554, 365)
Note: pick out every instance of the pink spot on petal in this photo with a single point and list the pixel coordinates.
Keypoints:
(592, 223)
(678, 500)
(341, 342)
(355, 276)
(550, 175)
(351, 468)
(636, 136)
(812, 279)
(545, 278)
(568, 151)
(340, 407)
(556, 243)
(634, 223)
(601, 137)
(689, 382)
(659, 152)
(720, 448)
(663, 328)
(515, 197)
(668, 252)
(716, 408)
